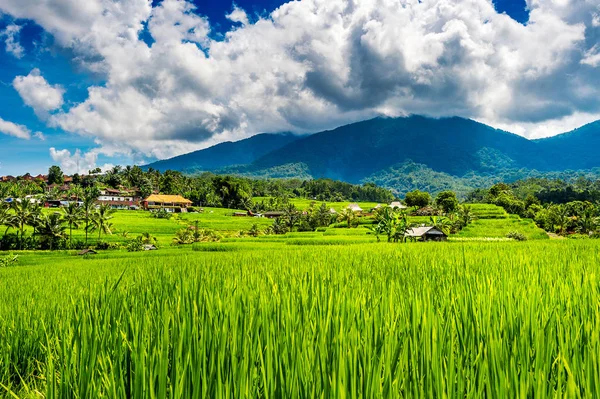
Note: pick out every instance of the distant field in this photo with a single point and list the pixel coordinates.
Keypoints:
(303, 203)
(492, 222)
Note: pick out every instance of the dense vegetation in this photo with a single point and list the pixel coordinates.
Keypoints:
(557, 206)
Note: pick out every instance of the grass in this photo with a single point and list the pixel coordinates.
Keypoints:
(500, 227)
(303, 203)
(238, 320)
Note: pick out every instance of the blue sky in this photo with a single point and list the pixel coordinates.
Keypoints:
(47, 48)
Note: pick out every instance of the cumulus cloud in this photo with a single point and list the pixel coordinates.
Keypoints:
(12, 129)
(37, 93)
(11, 36)
(238, 15)
(317, 64)
(78, 161)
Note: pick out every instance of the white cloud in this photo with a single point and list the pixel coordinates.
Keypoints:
(12, 129)
(11, 35)
(39, 136)
(316, 64)
(37, 93)
(238, 15)
(77, 162)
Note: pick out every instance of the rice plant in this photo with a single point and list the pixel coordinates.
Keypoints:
(431, 320)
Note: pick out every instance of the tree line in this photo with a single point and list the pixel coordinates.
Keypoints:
(53, 230)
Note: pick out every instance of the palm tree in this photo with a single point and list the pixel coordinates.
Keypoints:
(587, 223)
(347, 215)
(22, 216)
(441, 223)
(5, 216)
(89, 198)
(77, 192)
(100, 220)
(72, 215)
(51, 228)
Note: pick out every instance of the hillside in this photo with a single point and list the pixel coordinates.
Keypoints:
(226, 154)
(577, 149)
(453, 145)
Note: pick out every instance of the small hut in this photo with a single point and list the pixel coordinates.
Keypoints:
(87, 252)
(426, 233)
(355, 208)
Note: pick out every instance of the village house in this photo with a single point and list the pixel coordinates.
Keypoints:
(119, 199)
(397, 205)
(170, 203)
(273, 214)
(6, 179)
(355, 208)
(426, 233)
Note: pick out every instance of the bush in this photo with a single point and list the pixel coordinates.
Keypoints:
(135, 245)
(10, 242)
(9, 260)
(515, 235)
(77, 244)
(162, 214)
(102, 245)
(427, 211)
(321, 229)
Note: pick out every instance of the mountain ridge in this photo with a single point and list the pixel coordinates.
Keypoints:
(362, 150)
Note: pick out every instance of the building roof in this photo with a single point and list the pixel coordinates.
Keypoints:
(355, 207)
(397, 204)
(168, 199)
(421, 231)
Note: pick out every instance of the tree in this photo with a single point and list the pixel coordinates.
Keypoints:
(90, 196)
(393, 224)
(465, 216)
(22, 215)
(55, 175)
(447, 201)
(77, 192)
(347, 215)
(441, 223)
(587, 222)
(6, 219)
(100, 220)
(417, 198)
(52, 229)
(291, 216)
(72, 215)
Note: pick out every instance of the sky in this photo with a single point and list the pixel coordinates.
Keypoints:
(105, 82)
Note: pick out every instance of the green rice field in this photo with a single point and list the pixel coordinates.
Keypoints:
(237, 319)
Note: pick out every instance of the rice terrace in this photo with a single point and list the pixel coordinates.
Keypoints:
(299, 199)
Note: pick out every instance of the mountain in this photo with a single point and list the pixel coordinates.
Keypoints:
(404, 154)
(226, 154)
(578, 149)
(454, 146)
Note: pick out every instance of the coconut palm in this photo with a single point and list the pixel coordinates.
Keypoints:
(347, 215)
(77, 192)
(441, 223)
(6, 219)
(72, 215)
(100, 220)
(22, 216)
(51, 228)
(89, 198)
(587, 222)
